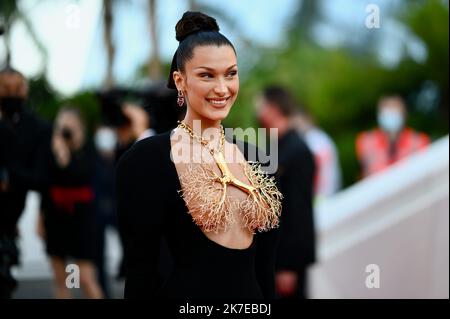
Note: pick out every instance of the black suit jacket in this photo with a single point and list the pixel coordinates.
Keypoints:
(23, 157)
(296, 177)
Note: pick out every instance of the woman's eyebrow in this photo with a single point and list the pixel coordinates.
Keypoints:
(211, 69)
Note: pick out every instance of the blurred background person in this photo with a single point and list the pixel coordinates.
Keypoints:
(23, 141)
(122, 124)
(391, 141)
(296, 170)
(139, 121)
(327, 180)
(105, 139)
(68, 208)
(126, 122)
(135, 114)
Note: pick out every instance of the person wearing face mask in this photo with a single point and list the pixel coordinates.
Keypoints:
(392, 141)
(106, 141)
(24, 143)
(68, 205)
(123, 125)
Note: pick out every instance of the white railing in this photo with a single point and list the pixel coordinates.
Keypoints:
(398, 221)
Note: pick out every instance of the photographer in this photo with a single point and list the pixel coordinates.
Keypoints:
(24, 141)
(68, 207)
(137, 114)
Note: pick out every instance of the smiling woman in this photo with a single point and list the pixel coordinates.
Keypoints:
(209, 83)
(221, 231)
(204, 70)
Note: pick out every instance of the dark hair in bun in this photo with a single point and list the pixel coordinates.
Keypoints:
(192, 22)
(194, 29)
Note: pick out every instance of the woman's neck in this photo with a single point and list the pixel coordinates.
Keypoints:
(206, 128)
(200, 124)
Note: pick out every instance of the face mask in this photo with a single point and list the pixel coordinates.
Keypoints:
(11, 106)
(105, 140)
(390, 121)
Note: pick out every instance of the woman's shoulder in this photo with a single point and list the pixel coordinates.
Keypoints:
(148, 151)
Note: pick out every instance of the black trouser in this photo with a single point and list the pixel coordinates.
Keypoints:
(302, 283)
(9, 256)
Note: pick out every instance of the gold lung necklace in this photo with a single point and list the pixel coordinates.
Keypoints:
(206, 192)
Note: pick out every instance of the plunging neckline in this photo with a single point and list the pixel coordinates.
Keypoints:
(179, 187)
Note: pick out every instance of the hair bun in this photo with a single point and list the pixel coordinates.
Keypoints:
(193, 22)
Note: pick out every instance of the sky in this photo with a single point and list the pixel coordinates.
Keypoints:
(72, 32)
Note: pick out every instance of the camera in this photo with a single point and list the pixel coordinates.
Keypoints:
(66, 133)
(158, 101)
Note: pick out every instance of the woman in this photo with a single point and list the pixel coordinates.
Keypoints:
(215, 210)
(68, 224)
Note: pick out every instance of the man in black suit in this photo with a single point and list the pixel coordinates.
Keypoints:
(24, 143)
(295, 174)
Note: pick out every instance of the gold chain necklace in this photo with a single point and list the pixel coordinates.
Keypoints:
(201, 139)
(227, 177)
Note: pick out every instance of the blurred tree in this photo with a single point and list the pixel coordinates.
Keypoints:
(155, 68)
(154, 64)
(88, 104)
(435, 35)
(10, 14)
(108, 21)
(42, 98)
(307, 15)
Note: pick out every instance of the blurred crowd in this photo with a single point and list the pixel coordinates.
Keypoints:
(74, 175)
(73, 171)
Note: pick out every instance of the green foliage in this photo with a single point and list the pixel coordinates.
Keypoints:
(340, 88)
(430, 22)
(89, 107)
(46, 102)
(42, 98)
(7, 10)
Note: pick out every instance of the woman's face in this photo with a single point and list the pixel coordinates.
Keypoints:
(210, 82)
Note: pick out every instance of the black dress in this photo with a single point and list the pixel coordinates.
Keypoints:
(68, 208)
(150, 207)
